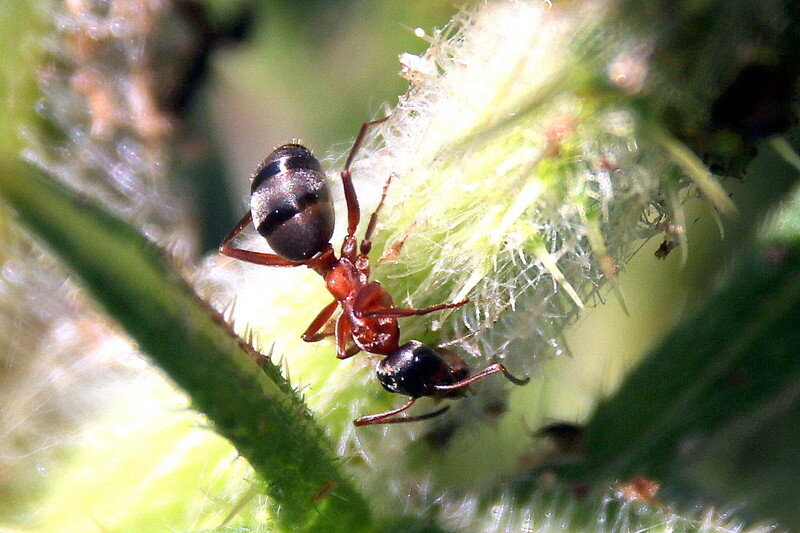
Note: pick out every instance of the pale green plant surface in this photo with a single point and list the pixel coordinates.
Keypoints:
(530, 158)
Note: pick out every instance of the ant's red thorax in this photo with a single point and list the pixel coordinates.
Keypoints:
(343, 279)
(357, 295)
(374, 335)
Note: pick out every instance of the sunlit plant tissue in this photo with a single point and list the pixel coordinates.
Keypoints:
(520, 180)
(512, 185)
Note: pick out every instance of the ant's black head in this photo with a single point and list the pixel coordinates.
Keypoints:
(415, 369)
(291, 203)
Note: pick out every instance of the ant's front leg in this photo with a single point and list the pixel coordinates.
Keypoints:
(258, 258)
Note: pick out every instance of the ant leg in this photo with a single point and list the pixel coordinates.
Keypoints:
(351, 351)
(493, 369)
(383, 418)
(343, 334)
(399, 312)
(366, 243)
(259, 258)
(353, 210)
(312, 333)
(247, 219)
(360, 139)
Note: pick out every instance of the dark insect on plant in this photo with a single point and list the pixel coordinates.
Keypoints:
(566, 436)
(291, 207)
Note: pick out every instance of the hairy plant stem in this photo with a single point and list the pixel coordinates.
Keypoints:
(250, 404)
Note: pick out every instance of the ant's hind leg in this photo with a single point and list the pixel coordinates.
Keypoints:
(258, 258)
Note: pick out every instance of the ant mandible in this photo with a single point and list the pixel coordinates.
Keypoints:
(291, 207)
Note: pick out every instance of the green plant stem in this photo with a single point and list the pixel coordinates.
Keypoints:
(249, 403)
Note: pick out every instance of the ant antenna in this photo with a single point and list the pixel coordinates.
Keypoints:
(492, 369)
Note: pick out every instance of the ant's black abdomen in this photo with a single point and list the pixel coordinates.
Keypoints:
(415, 369)
(291, 203)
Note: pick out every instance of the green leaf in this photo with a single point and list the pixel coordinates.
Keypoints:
(251, 404)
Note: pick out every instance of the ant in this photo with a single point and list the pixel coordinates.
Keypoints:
(291, 207)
